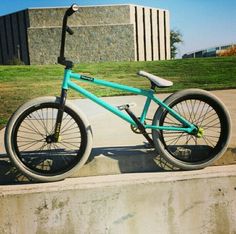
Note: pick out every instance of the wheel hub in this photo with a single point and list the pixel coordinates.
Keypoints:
(200, 133)
(50, 139)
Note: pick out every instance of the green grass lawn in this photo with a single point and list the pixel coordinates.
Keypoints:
(21, 83)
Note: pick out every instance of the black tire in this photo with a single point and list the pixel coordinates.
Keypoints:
(186, 151)
(28, 145)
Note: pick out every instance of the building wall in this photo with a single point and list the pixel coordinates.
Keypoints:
(88, 44)
(152, 33)
(94, 15)
(13, 37)
(102, 33)
(209, 52)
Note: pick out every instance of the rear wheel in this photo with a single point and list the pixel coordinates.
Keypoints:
(196, 151)
(30, 144)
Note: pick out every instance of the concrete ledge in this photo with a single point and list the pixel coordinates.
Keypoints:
(228, 158)
(173, 202)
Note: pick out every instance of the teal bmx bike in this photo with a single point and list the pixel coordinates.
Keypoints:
(48, 138)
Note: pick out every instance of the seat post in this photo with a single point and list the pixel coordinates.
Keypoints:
(153, 86)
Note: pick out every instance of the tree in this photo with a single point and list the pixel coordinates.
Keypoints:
(176, 37)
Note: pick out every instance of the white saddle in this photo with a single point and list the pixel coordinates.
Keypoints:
(160, 82)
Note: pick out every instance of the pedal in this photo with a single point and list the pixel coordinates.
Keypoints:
(127, 106)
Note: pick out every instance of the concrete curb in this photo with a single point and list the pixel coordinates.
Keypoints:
(172, 202)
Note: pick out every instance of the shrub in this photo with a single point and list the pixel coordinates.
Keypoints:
(228, 52)
(15, 61)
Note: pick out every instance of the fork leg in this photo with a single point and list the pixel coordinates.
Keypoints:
(60, 114)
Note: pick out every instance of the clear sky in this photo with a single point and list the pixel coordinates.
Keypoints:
(203, 23)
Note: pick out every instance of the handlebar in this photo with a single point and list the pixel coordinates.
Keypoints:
(61, 59)
(70, 11)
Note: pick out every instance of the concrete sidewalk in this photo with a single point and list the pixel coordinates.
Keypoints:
(120, 150)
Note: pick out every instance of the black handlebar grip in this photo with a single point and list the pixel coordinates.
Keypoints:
(72, 9)
(69, 30)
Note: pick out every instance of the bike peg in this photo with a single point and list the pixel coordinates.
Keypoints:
(69, 30)
(125, 106)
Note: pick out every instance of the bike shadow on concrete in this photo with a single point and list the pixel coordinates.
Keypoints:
(129, 159)
(9, 174)
(102, 161)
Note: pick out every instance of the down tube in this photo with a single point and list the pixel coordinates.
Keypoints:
(100, 102)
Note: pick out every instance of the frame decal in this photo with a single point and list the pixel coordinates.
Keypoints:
(87, 78)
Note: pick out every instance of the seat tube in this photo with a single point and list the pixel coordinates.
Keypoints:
(145, 110)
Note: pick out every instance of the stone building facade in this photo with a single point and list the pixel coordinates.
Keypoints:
(101, 33)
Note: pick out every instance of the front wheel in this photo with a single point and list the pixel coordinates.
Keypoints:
(29, 144)
(193, 151)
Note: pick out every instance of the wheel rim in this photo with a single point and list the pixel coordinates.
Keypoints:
(32, 147)
(199, 147)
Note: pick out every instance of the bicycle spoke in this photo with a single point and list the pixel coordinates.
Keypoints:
(202, 117)
(176, 139)
(26, 132)
(69, 128)
(208, 142)
(33, 128)
(212, 121)
(68, 143)
(33, 145)
(30, 144)
(66, 139)
(70, 133)
(65, 124)
(41, 122)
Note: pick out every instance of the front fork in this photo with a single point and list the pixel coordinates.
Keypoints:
(60, 115)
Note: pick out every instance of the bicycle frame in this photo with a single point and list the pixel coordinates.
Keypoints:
(149, 94)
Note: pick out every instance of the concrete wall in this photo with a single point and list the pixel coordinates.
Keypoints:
(89, 43)
(155, 203)
(152, 33)
(103, 33)
(94, 15)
